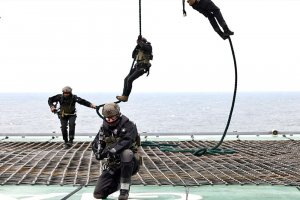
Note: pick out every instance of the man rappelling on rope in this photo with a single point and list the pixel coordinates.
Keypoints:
(142, 54)
(214, 15)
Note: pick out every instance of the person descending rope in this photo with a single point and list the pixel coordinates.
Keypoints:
(214, 15)
(142, 54)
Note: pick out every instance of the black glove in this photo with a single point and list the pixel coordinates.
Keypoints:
(104, 153)
(140, 37)
(141, 41)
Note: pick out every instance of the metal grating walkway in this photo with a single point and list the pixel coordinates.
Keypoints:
(256, 162)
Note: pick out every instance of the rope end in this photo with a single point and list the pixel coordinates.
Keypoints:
(183, 8)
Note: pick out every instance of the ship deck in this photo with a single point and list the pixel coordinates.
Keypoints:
(258, 162)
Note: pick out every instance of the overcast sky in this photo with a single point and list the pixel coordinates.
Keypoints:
(87, 44)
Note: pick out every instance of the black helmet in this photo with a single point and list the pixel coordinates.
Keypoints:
(111, 110)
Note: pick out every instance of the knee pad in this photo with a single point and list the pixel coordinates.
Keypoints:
(100, 196)
(126, 155)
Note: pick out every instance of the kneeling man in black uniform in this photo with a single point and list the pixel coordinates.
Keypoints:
(116, 144)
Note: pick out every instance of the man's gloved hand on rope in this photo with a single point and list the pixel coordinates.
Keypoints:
(140, 37)
(141, 41)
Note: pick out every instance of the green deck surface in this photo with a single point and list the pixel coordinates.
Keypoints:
(12, 192)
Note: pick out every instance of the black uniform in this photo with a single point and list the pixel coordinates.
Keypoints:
(67, 113)
(121, 165)
(214, 15)
(142, 53)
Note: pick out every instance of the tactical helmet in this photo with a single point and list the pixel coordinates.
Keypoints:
(67, 89)
(110, 110)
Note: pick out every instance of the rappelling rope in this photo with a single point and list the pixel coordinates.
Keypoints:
(183, 8)
(202, 151)
(140, 33)
(215, 149)
(233, 97)
(140, 16)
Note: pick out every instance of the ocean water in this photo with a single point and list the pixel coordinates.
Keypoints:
(159, 112)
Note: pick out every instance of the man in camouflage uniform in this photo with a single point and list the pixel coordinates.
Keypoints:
(117, 143)
(142, 54)
(67, 112)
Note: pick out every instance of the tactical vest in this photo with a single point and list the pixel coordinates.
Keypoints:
(67, 106)
(111, 138)
(143, 57)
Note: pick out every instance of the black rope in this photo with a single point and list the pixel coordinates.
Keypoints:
(202, 151)
(287, 137)
(140, 33)
(69, 195)
(98, 108)
(183, 8)
(234, 95)
(140, 16)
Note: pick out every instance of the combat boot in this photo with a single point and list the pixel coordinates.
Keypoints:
(71, 140)
(227, 31)
(70, 143)
(67, 145)
(122, 98)
(123, 194)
